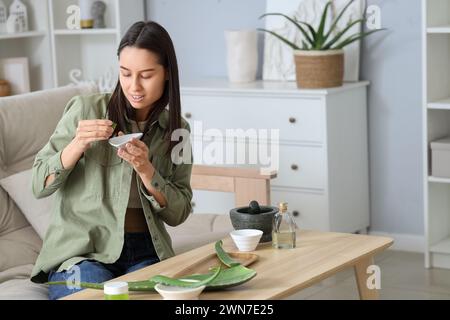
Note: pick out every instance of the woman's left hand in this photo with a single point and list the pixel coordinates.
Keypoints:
(135, 153)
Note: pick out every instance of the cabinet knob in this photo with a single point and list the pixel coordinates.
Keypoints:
(294, 167)
(295, 213)
(192, 204)
(292, 120)
(188, 115)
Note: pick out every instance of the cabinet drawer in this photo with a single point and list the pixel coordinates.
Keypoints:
(301, 167)
(298, 166)
(310, 210)
(297, 119)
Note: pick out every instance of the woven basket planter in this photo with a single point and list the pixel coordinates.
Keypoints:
(319, 69)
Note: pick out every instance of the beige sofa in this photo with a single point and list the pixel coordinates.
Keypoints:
(26, 123)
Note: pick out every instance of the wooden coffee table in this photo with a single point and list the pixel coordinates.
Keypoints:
(280, 273)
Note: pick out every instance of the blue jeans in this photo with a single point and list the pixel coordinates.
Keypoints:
(138, 252)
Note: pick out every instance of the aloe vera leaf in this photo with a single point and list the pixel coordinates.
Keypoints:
(296, 23)
(333, 25)
(226, 278)
(310, 28)
(320, 31)
(231, 277)
(145, 285)
(338, 36)
(86, 285)
(132, 286)
(190, 283)
(289, 43)
(355, 37)
(223, 256)
(235, 275)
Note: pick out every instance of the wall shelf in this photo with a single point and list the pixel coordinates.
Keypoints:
(29, 34)
(85, 32)
(441, 247)
(441, 29)
(440, 104)
(438, 180)
(54, 51)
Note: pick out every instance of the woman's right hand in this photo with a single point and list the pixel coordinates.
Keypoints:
(89, 131)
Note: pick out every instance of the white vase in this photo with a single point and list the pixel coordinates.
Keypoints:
(242, 55)
(86, 17)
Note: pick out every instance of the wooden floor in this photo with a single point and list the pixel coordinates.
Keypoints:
(403, 277)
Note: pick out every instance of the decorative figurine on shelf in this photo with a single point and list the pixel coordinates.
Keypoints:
(3, 17)
(18, 18)
(86, 21)
(98, 13)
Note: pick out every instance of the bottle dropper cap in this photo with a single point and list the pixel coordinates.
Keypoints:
(282, 206)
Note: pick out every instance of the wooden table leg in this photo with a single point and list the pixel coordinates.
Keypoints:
(362, 275)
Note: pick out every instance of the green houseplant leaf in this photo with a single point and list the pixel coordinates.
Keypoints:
(355, 37)
(283, 39)
(317, 39)
(335, 22)
(320, 36)
(297, 24)
(340, 34)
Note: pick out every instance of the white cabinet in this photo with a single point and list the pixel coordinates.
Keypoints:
(436, 117)
(321, 146)
(54, 50)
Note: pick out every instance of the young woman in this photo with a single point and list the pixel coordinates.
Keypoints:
(111, 205)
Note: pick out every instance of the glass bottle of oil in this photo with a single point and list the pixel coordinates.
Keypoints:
(283, 228)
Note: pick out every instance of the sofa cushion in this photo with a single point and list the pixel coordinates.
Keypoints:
(19, 247)
(198, 230)
(222, 223)
(11, 219)
(37, 211)
(15, 284)
(27, 122)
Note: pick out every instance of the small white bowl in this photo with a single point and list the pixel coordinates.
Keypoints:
(246, 239)
(178, 293)
(121, 141)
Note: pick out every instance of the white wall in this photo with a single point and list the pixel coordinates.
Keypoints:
(197, 30)
(391, 62)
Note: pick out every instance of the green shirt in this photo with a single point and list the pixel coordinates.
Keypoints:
(91, 198)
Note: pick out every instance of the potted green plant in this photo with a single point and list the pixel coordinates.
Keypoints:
(319, 59)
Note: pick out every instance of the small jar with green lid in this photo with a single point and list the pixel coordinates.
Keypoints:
(116, 291)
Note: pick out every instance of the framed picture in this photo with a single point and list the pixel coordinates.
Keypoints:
(16, 72)
(278, 58)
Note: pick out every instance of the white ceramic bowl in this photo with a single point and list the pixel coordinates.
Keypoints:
(178, 293)
(120, 141)
(246, 239)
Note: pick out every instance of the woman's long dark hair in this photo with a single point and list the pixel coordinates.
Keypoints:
(153, 37)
